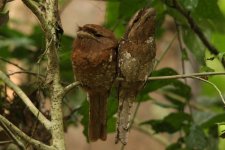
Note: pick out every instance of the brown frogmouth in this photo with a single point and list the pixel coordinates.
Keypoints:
(94, 65)
(136, 55)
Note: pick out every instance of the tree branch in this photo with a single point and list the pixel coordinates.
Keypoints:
(9, 62)
(194, 26)
(50, 22)
(37, 144)
(12, 136)
(26, 100)
(37, 9)
(185, 75)
(70, 87)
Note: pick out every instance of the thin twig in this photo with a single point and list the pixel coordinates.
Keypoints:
(26, 100)
(14, 64)
(37, 144)
(184, 76)
(12, 136)
(27, 72)
(5, 142)
(164, 52)
(218, 90)
(182, 50)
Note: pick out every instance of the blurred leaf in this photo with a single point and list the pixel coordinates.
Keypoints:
(174, 146)
(171, 123)
(16, 42)
(4, 17)
(206, 69)
(222, 130)
(157, 84)
(142, 97)
(213, 120)
(178, 94)
(190, 4)
(65, 59)
(218, 41)
(195, 47)
(111, 110)
(208, 15)
(84, 111)
(196, 140)
(184, 54)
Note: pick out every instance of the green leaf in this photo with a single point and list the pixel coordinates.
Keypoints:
(111, 110)
(178, 94)
(171, 123)
(4, 18)
(84, 111)
(157, 84)
(207, 14)
(194, 45)
(190, 4)
(206, 69)
(213, 120)
(65, 59)
(222, 130)
(196, 140)
(174, 146)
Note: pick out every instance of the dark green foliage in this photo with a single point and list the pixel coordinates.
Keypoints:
(172, 123)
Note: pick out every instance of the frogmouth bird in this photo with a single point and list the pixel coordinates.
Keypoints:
(94, 65)
(136, 55)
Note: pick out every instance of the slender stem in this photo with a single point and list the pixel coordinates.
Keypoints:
(5, 142)
(37, 144)
(9, 62)
(19, 143)
(185, 76)
(164, 52)
(220, 93)
(26, 100)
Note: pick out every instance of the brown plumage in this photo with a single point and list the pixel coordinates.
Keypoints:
(136, 55)
(94, 65)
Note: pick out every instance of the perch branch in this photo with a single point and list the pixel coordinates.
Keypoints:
(70, 87)
(194, 26)
(185, 75)
(37, 144)
(26, 100)
(77, 83)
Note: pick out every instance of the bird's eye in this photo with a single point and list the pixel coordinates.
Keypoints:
(98, 35)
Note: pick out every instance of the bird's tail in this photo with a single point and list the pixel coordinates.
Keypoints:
(126, 100)
(98, 116)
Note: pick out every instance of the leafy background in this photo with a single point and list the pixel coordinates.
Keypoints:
(191, 110)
